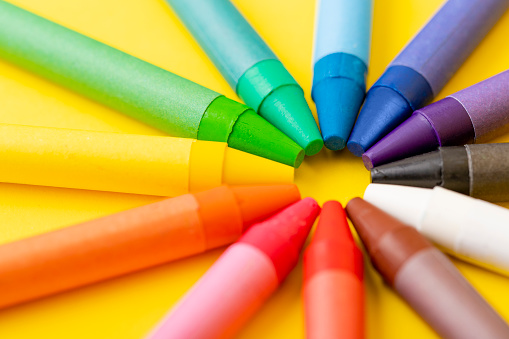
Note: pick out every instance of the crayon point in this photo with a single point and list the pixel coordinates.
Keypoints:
(370, 222)
(253, 134)
(366, 160)
(282, 236)
(338, 101)
(257, 203)
(334, 143)
(414, 136)
(296, 221)
(423, 170)
(333, 246)
(287, 109)
(383, 110)
(332, 224)
(405, 203)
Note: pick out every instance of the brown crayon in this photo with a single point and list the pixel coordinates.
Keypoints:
(424, 276)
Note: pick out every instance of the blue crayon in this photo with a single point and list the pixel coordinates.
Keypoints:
(341, 56)
(423, 67)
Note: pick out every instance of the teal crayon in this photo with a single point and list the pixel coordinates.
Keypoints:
(137, 88)
(250, 67)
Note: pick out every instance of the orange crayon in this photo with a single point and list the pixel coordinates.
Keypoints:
(333, 275)
(134, 239)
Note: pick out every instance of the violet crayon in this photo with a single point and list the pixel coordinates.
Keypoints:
(475, 114)
(423, 67)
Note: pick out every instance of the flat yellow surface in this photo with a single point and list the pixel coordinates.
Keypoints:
(128, 307)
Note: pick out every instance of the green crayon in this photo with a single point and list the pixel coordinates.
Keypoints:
(137, 88)
(250, 67)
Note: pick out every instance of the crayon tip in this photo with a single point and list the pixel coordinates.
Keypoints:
(257, 203)
(338, 101)
(287, 109)
(414, 136)
(253, 134)
(370, 222)
(407, 204)
(333, 246)
(282, 236)
(423, 170)
(383, 110)
(332, 224)
(241, 168)
(295, 222)
(389, 241)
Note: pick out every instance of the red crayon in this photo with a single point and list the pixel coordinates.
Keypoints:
(333, 279)
(242, 279)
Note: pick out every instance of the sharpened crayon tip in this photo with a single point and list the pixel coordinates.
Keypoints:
(253, 134)
(287, 109)
(383, 110)
(338, 101)
(414, 136)
(334, 142)
(282, 236)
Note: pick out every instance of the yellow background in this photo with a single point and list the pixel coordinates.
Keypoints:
(128, 307)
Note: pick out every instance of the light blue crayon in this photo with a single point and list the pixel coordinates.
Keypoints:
(341, 58)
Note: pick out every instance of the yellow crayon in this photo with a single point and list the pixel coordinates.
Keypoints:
(127, 163)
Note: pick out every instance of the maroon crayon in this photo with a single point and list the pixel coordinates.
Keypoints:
(424, 276)
(475, 114)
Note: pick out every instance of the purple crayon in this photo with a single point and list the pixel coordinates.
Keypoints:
(475, 114)
(423, 67)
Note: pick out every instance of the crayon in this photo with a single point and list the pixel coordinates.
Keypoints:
(475, 114)
(423, 67)
(424, 276)
(128, 163)
(470, 229)
(333, 279)
(250, 67)
(481, 171)
(242, 279)
(132, 240)
(340, 64)
(137, 88)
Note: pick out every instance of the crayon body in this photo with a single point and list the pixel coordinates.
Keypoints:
(481, 171)
(475, 114)
(242, 279)
(423, 67)
(128, 163)
(340, 63)
(133, 240)
(250, 67)
(471, 229)
(141, 90)
(333, 279)
(424, 276)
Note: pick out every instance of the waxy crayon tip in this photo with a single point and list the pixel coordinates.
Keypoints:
(414, 136)
(338, 101)
(383, 110)
(332, 224)
(287, 109)
(253, 134)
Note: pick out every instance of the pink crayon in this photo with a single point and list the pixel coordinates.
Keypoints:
(242, 279)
